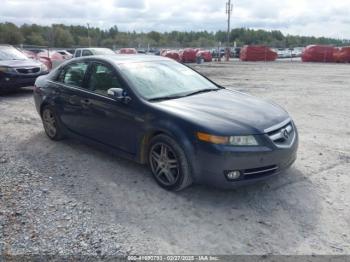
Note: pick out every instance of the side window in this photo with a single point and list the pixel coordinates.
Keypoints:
(78, 53)
(87, 53)
(102, 78)
(73, 74)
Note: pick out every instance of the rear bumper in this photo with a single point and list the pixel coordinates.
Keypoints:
(213, 163)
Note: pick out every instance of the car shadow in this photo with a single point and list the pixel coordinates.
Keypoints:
(22, 92)
(276, 215)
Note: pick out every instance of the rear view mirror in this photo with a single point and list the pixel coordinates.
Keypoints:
(119, 94)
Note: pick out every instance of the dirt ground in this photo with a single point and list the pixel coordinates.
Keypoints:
(69, 198)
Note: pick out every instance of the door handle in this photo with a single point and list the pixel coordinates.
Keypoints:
(74, 100)
(86, 102)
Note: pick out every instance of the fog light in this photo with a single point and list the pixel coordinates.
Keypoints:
(233, 175)
(7, 79)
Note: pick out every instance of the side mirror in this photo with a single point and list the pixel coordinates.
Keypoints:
(119, 94)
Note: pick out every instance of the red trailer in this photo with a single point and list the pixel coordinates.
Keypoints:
(188, 55)
(173, 54)
(257, 53)
(319, 53)
(128, 51)
(206, 55)
(342, 55)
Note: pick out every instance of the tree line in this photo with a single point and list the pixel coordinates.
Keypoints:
(66, 36)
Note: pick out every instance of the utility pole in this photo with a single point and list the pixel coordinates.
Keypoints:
(88, 29)
(229, 8)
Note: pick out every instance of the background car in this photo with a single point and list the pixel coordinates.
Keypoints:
(17, 70)
(52, 58)
(129, 51)
(92, 51)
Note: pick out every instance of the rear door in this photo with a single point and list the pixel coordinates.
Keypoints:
(71, 86)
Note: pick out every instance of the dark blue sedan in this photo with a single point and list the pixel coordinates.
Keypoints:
(156, 111)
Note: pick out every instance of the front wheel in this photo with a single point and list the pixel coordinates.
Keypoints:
(51, 124)
(169, 164)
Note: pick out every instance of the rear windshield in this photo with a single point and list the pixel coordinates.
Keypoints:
(11, 53)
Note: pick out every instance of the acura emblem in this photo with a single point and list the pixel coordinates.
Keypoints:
(285, 133)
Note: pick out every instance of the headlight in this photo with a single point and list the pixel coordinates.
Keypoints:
(44, 68)
(243, 141)
(5, 69)
(228, 140)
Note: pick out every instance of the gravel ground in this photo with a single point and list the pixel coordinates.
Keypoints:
(68, 198)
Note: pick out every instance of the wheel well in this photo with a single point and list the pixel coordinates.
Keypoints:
(145, 143)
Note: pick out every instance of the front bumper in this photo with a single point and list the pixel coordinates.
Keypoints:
(13, 81)
(255, 163)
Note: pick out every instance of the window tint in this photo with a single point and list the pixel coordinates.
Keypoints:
(102, 78)
(73, 74)
(78, 53)
(87, 53)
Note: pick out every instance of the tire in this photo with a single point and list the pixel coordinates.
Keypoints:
(51, 123)
(168, 163)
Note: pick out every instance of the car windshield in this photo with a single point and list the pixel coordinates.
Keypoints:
(11, 53)
(103, 51)
(165, 79)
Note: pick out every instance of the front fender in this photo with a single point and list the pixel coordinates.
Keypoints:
(181, 132)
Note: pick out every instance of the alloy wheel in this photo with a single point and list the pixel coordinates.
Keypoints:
(164, 164)
(49, 122)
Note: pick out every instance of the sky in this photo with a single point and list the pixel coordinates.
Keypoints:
(329, 18)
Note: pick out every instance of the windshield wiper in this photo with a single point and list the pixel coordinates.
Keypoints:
(183, 95)
(202, 91)
(164, 98)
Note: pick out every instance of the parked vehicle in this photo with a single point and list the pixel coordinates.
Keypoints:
(17, 70)
(29, 54)
(154, 110)
(52, 58)
(127, 51)
(283, 53)
(92, 51)
(218, 53)
(236, 52)
(65, 54)
(141, 51)
(297, 51)
(36, 50)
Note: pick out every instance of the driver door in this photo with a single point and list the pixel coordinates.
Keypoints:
(110, 122)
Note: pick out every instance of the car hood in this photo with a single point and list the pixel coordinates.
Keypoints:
(19, 63)
(227, 112)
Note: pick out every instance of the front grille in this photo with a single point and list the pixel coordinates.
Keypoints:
(28, 70)
(282, 135)
(259, 172)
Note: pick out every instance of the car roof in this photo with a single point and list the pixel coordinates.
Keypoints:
(128, 58)
(91, 48)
